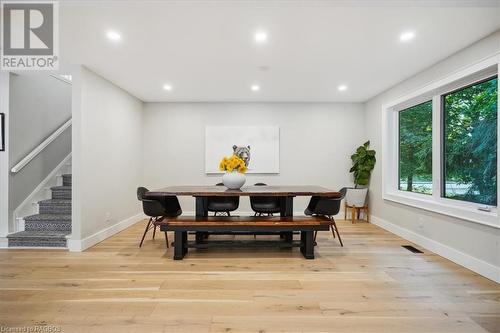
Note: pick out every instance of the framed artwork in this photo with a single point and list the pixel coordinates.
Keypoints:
(258, 146)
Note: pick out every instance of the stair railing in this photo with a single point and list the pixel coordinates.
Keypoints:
(38, 149)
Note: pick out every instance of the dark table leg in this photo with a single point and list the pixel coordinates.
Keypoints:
(286, 206)
(179, 245)
(287, 210)
(302, 241)
(201, 206)
(307, 244)
(199, 237)
(184, 243)
(201, 211)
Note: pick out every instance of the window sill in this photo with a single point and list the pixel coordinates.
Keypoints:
(460, 210)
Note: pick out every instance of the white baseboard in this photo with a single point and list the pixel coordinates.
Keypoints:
(4, 243)
(75, 245)
(474, 264)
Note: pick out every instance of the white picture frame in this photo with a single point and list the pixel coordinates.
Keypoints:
(262, 143)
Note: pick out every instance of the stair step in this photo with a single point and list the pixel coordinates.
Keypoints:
(61, 192)
(48, 222)
(55, 206)
(67, 179)
(48, 217)
(37, 239)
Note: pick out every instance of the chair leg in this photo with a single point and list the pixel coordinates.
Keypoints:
(154, 231)
(228, 214)
(353, 213)
(333, 232)
(315, 234)
(345, 210)
(337, 230)
(146, 231)
(166, 239)
(367, 214)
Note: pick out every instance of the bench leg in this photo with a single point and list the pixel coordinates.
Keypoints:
(179, 246)
(307, 244)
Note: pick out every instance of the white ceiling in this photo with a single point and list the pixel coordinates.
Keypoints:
(206, 51)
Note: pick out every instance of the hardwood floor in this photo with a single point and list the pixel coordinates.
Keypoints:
(370, 285)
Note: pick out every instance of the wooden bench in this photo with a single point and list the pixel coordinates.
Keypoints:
(306, 225)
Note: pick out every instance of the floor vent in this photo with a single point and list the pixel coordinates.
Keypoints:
(411, 248)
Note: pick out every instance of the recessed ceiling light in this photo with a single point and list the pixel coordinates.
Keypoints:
(255, 87)
(260, 37)
(167, 87)
(113, 35)
(342, 87)
(407, 36)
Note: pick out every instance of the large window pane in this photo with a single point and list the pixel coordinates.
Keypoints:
(470, 143)
(415, 148)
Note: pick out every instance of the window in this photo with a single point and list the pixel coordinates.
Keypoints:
(470, 143)
(439, 145)
(415, 148)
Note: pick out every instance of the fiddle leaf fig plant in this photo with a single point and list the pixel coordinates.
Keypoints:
(363, 162)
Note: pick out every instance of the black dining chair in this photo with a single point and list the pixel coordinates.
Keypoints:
(329, 207)
(157, 209)
(265, 205)
(222, 205)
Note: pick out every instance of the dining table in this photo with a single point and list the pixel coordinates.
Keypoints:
(286, 193)
(285, 226)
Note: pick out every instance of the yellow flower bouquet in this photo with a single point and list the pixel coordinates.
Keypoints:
(233, 163)
(234, 176)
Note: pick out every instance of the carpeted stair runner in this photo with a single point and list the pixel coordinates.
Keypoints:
(50, 226)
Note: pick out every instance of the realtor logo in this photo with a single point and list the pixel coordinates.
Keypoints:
(29, 35)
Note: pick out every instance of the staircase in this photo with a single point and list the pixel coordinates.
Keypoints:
(52, 224)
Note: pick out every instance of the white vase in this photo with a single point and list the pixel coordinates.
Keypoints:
(233, 180)
(356, 197)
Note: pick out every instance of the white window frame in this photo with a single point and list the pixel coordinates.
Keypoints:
(390, 147)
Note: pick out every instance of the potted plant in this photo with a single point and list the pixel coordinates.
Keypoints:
(234, 176)
(363, 162)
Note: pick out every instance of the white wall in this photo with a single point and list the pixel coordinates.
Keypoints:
(107, 158)
(316, 142)
(4, 161)
(39, 105)
(473, 245)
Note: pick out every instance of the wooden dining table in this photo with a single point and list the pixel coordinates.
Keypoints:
(286, 193)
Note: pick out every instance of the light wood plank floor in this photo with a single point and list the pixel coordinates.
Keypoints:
(370, 285)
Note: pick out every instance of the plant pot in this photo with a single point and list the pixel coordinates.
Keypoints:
(233, 180)
(356, 197)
